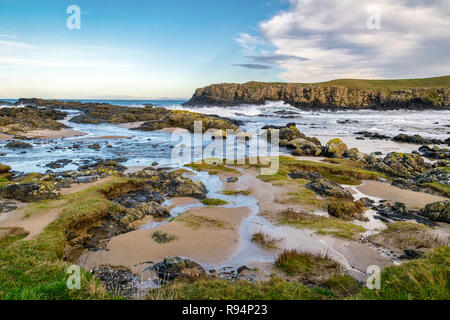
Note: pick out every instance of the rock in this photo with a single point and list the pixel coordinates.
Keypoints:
(373, 135)
(4, 172)
(388, 212)
(304, 147)
(401, 165)
(335, 148)
(435, 152)
(305, 175)
(58, 164)
(118, 281)
(329, 188)
(172, 268)
(347, 210)
(411, 254)
(24, 119)
(416, 139)
(94, 146)
(320, 96)
(354, 154)
(438, 211)
(232, 179)
(288, 132)
(29, 192)
(18, 145)
(347, 121)
(162, 237)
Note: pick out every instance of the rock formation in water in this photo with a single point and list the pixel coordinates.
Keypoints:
(318, 96)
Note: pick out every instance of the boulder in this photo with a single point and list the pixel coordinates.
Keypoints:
(29, 192)
(401, 165)
(335, 148)
(329, 188)
(438, 211)
(435, 152)
(304, 147)
(347, 210)
(416, 139)
(18, 145)
(172, 268)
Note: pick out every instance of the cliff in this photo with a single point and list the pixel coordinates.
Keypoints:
(431, 93)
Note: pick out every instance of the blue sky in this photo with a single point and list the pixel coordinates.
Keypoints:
(166, 49)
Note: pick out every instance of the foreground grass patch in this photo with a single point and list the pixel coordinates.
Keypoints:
(212, 168)
(275, 289)
(423, 279)
(405, 235)
(214, 202)
(306, 264)
(325, 226)
(35, 269)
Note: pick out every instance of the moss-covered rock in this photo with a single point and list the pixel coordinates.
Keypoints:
(437, 211)
(347, 210)
(335, 148)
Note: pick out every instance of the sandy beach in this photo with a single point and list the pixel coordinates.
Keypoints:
(412, 199)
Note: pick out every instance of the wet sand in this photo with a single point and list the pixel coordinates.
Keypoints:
(35, 224)
(412, 199)
(206, 244)
(45, 134)
(131, 125)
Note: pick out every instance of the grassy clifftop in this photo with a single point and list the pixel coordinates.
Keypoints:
(400, 84)
(336, 94)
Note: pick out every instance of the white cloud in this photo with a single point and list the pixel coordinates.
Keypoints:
(331, 39)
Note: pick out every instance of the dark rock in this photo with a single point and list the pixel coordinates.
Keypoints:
(18, 145)
(329, 188)
(416, 139)
(29, 192)
(411, 254)
(172, 268)
(305, 175)
(58, 164)
(373, 135)
(438, 211)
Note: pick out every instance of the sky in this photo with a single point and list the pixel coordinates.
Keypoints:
(157, 49)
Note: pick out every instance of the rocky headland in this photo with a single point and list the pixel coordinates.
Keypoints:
(433, 93)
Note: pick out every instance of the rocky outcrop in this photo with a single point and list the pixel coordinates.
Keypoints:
(21, 120)
(172, 268)
(335, 148)
(154, 118)
(438, 211)
(403, 165)
(311, 96)
(328, 188)
(29, 192)
(415, 139)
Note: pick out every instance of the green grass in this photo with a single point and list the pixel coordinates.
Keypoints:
(435, 82)
(236, 192)
(442, 188)
(422, 279)
(265, 240)
(35, 269)
(207, 289)
(196, 222)
(305, 264)
(322, 225)
(212, 168)
(214, 202)
(340, 171)
(403, 235)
